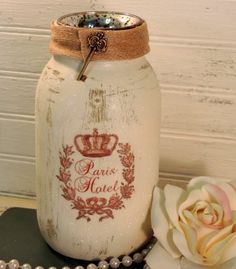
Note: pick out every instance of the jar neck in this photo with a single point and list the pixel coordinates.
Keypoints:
(104, 70)
(74, 63)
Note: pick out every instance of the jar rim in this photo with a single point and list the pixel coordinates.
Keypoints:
(101, 20)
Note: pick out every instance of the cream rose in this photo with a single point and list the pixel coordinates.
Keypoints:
(196, 227)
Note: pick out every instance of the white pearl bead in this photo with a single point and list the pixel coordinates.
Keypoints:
(79, 267)
(13, 264)
(92, 266)
(3, 265)
(26, 266)
(52, 267)
(138, 257)
(145, 252)
(127, 261)
(150, 246)
(39, 267)
(103, 265)
(114, 263)
(66, 267)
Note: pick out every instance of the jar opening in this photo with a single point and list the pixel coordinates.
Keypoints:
(101, 20)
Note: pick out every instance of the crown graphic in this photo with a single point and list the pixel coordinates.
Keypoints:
(96, 145)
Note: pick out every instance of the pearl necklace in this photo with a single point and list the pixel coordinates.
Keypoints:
(114, 262)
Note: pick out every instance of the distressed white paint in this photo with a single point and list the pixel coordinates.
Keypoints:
(130, 98)
(193, 51)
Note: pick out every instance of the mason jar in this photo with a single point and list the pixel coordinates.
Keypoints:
(97, 136)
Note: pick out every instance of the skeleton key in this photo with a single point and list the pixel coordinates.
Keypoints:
(97, 42)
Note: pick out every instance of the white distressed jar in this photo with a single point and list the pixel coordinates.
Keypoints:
(97, 136)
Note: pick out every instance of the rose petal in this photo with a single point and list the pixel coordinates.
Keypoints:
(186, 264)
(231, 194)
(221, 197)
(226, 185)
(191, 219)
(193, 197)
(160, 223)
(230, 250)
(230, 264)
(191, 237)
(212, 240)
(160, 258)
(203, 231)
(233, 184)
(234, 216)
(203, 241)
(225, 249)
(198, 182)
(173, 195)
(220, 213)
(182, 245)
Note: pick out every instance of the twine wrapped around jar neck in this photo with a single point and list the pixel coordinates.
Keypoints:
(70, 39)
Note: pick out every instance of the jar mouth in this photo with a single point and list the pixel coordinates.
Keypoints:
(106, 20)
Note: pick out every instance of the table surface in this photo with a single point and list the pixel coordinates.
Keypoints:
(9, 201)
(25, 230)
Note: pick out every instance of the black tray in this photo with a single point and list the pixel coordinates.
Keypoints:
(20, 239)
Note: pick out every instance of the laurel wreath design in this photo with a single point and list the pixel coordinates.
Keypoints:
(101, 206)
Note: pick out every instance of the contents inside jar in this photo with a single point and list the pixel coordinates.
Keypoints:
(101, 19)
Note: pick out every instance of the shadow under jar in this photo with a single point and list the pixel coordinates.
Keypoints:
(97, 136)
